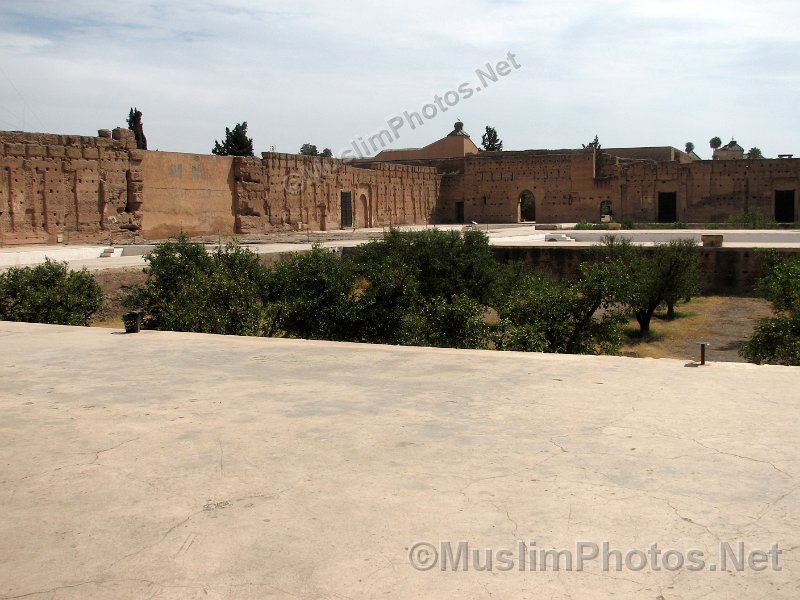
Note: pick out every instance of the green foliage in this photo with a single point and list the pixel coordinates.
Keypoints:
(490, 141)
(715, 142)
(776, 340)
(309, 150)
(188, 289)
(753, 220)
(584, 224)
(326, 153)
(754, 153)
(651, 277)
(48, 293)
(135, 125)
(236, 142)
(314, 297)
(689, 147)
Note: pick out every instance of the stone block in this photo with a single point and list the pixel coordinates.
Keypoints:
(56, 151)
(91, 153)
(15, 149)
(73, 151)
(35, 150)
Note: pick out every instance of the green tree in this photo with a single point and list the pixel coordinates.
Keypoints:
(236, 142)
(49, 293)
(309, 150)
(715, 142)
(314, 296)
(188, 289)
(135, 125)
(326, 153)
(652, 277)
(776, 339)
(689, 147)
(490, 141)
(754, 153)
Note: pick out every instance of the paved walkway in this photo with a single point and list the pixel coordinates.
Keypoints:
(181, 466)
(78, 257)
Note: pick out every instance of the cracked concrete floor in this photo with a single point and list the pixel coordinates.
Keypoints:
(174, 466)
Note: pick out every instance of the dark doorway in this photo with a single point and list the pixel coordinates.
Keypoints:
(459, 212)
(784, 206)
(347, 209)
(667, 207)
(527, 206)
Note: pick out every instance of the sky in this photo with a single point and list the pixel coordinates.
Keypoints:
(634, 73)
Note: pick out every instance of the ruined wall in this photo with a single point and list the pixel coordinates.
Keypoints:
(187, 194)
(562, 183)
(707, 191)
(68, 187)
(289, 191)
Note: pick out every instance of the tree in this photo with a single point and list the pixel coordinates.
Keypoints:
(135, 125)
(689, 147)
(776, 339)
(754, 153)
(663, 275)
(49, 293)
(236, 142)
(490, 141)
(188, 289)
(715, 142)
(326, 153)
(309, 150)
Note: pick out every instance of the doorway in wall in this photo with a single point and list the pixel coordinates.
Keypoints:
(347, 208)
(784, 206)
(667, 207)
(459, 212)
(527, 206)
(363, 208)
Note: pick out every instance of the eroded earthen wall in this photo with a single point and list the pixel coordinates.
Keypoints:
(68, 187)
(288, 191)
(187, 194)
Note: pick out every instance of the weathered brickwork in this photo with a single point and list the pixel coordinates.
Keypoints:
(78, 188)
(282, 191)
(73, 186)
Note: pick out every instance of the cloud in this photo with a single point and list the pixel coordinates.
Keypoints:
(635, 72)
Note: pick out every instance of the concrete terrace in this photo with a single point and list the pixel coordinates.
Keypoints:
(174, 466)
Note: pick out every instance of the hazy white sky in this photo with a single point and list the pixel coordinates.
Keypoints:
(636, 73)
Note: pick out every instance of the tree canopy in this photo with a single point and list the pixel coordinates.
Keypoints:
(715, 142)
(754, 153)
(235, 143)
(490, 141)
(135, 125)
(776, 339)
(689, 147)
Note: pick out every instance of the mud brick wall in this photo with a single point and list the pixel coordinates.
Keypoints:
(289, 191)
(76, 187)
(562, 182)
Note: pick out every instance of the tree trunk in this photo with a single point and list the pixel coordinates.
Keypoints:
(670, 311)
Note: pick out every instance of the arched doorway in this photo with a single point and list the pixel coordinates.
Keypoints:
(363, 209)
(527, 206)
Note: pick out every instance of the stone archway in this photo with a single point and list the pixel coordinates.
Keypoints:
(527, 206)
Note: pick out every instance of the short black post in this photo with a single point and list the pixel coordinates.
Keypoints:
(703, 352)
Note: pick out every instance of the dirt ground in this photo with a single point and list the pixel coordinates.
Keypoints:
(725, 322)
(115, 283)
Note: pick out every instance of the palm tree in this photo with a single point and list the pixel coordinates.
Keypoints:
(715, 142)
(689, 147)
